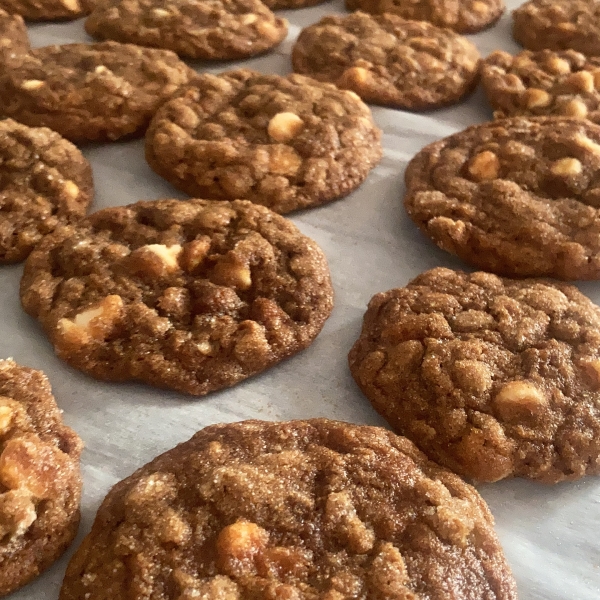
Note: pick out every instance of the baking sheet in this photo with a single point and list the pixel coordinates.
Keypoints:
(551, 535)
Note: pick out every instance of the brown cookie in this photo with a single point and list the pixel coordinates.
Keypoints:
(48, 10)
(211, 29)
(518, 197)
(301, 510)
(284, 142)
(13, 35)
(95, 92)
(191, 295)
(44, 181)
(463, 16)
(388, 60)
(546, 82)
(558, 25)
(39, 477)
(490, 377)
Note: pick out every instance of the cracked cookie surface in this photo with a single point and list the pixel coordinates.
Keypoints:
(303, 510)
(91, 92)
(45, 181)
(47, 10)
(518, 197)
(463, 16)
(40, 483)
(191, 295)
(214, 29)
(388, 60)
(284, 142)
(490, 377)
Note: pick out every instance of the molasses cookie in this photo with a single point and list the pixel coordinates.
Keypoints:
(284, 142)
(213, 29)
(545, 82)
(39, 477)
(13, 35)
(190, 295)
(558, 25)
(519, 197)
(296, 510)
(490, 377)
(463, 16)
(95, 92)
(44, 181)
(47, 10)
(388, 60)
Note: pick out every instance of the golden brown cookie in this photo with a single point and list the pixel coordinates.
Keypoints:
(191, 295)
(13, 35)
(388, 60)
(303, 510)
(47, 10)
(490, 377)
(40, 484)
(284, 142)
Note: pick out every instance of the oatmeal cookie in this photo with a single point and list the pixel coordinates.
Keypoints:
(191, 295)
(44, 181)
(212, 29)
(13, 35)
(95, 92)
(490, 377)
(284, 142)
(558, 25)
(463, 16)
(388, 60)
(519, 197)
(562, 83)
(40, 483)
(48, 10)
(300, 510)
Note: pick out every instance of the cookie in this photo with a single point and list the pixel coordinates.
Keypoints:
(47, 10)
(13, 35)
(388, 60)
(91, 92)
(284, 142)
(44, 181)
(190, 295)
(39, 477)
(490, 377)
(214, 29)
(545, 82)
(558, 25)
(519, 197)
(296, 510)
(463, 16)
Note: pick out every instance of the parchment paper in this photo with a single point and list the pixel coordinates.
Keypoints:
(551, 535)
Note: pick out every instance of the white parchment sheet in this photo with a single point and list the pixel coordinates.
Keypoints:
(551, 535)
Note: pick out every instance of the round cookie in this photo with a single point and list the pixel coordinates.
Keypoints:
(558, 25)
(39, 477)
(545, 82)
(490, 377)
(518, 197)
(296, 510)
(13, 35)
(191, 295)
(213, 29)
(463, 16)
(388, 60)
(284, 142)
(91, 92)
(48, 10)
(45, 181)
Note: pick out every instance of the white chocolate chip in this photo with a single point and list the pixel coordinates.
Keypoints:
(485, 166)
(32, 84)
(168, 254)
(535, 98)
(93, 323)
(575, 108)
(160, 13)
(566, 167)
(285, 126)
(559, 66)
(6, 416)
(582, 81)
(71, 189)
(585, 142)
(515, 397)
(72, 5)
(248, 19)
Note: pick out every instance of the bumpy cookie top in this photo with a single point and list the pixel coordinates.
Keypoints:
(304, 510)
(546, 82)
(48, 10)
(92, 92)
(13, 35)
(464, 16)
(212, 29)
(44, 181)
(40, 485)
(284, 142)
(518, 197)
(491, 377)
(192, 295)
(558, 25)
(388, 60)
